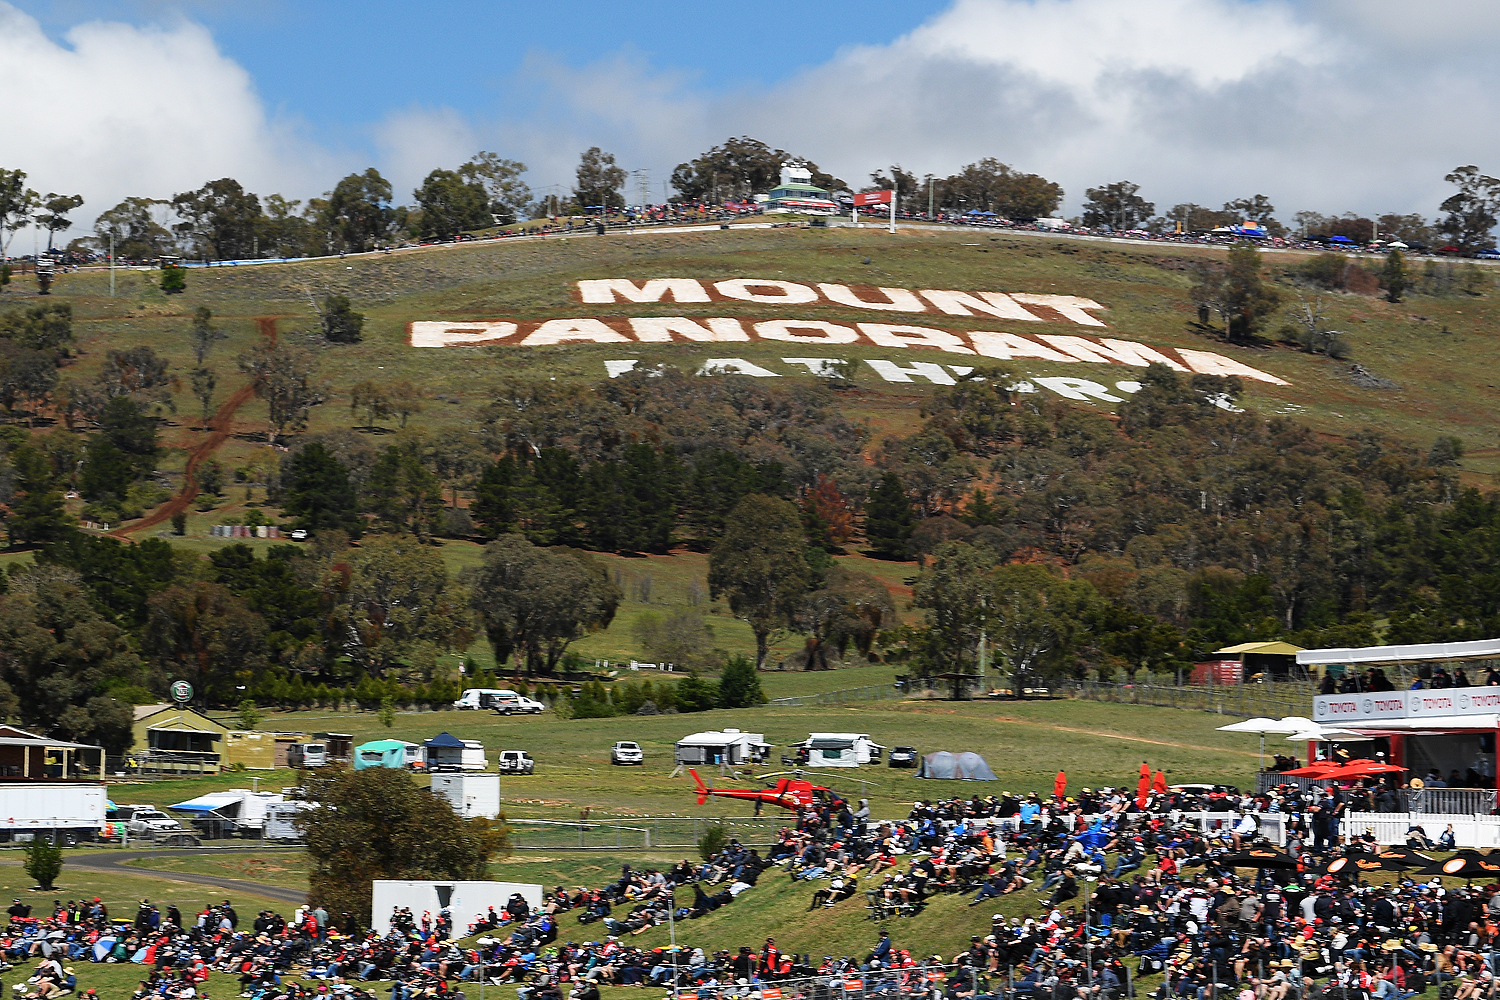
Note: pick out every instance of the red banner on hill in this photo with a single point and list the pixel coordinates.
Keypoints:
(872, 198)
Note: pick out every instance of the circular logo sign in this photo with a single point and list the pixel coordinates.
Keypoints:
(1453, 865)
(1463, 701)
(1367, 706)
(182, 691)
(1338, 865)
(1320, 706)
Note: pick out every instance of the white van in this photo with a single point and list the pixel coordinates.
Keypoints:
(473, 699)
(300, 755)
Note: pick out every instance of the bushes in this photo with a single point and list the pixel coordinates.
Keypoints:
(44, 861)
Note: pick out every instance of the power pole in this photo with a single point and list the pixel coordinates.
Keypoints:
(111, 263)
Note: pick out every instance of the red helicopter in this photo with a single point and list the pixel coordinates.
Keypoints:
(788, 793)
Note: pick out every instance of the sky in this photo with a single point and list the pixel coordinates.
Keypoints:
(1332, 106)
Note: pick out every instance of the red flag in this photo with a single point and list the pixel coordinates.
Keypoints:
(1060, 785)
(1159, 783)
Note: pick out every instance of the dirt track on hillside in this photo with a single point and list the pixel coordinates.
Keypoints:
(219, 429)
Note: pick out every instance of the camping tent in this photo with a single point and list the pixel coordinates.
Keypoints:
(968, 765)
(380, 753)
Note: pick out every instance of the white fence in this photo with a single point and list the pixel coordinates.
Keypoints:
(1272, 826)
(1469, 830)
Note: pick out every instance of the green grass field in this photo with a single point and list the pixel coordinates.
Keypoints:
(1025, 743)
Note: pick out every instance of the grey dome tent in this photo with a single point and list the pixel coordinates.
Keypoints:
(968, 766)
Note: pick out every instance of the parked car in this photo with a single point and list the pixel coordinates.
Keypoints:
(902, 757)
(515, 762)
(626, 752)
(1488, 254)
(150, 822)
(1204, 788)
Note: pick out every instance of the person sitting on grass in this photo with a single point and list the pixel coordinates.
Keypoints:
(839, 889)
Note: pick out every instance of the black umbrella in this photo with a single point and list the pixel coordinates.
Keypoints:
(1354, 864)
(1465, 864)
(1258, 857)
(1398, 858)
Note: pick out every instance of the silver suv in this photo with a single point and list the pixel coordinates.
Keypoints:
(626, 752)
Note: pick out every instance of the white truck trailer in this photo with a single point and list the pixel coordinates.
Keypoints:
(64, 811)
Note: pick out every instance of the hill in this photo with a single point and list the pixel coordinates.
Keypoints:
(1060, 407)
(1435, 347)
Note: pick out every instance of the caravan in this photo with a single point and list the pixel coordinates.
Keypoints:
(389, 753)
(446, 752)
(838, 750)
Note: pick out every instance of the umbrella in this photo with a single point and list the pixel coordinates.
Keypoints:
(1399, 857)
(1143, 787)
(1159, 783)
(1328, 734)
(1367, 769)
(1320, 769)
(1059, 785)
(1260, 726)
(1464, 865)
(1259, 857)
(103, 947)
(1354, 865)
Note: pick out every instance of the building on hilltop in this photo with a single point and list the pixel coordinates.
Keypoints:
(797, 193)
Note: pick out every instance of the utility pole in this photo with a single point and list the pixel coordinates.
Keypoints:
(929, 197)
(111, 263)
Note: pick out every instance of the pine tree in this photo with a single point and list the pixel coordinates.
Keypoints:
(888, 518)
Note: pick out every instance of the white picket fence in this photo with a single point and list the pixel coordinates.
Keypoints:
(1469, 830)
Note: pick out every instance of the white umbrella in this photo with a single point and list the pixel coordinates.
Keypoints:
(1253, 726)
(1260, 726)
(1328, 735)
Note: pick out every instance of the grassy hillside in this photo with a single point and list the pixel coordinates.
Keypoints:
(1437, 349)
(1025, 744)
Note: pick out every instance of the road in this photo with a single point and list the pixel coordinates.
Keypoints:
(118, 862)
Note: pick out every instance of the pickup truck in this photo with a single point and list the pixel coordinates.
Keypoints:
(626, 752)
(150, 822)
(515, 762)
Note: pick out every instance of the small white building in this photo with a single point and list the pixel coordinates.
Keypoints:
(470, 795)
(730, 746)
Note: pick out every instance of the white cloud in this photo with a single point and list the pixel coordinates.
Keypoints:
(123, 111)
(1340, 105)
(1329, 106)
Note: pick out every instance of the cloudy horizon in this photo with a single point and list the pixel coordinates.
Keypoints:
(1331, 107)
